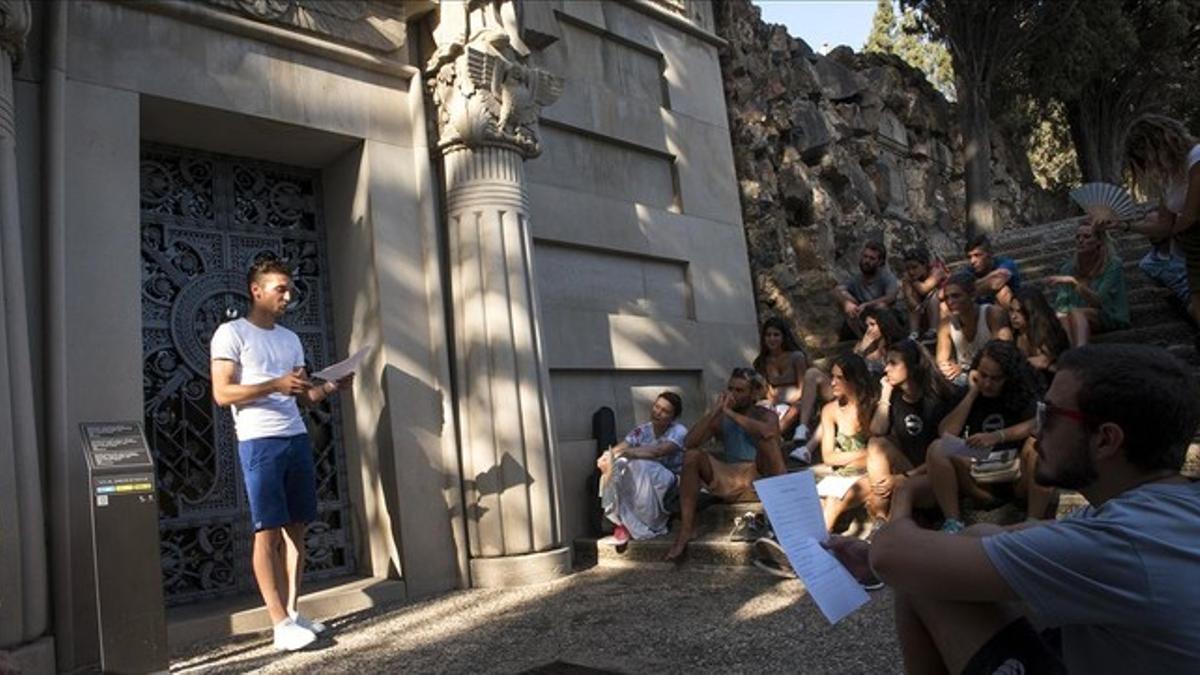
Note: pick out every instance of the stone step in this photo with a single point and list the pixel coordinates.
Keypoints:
(1127, 245)
(1175, 334)
(709, 549)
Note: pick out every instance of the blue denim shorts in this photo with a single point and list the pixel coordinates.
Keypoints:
(281, 481)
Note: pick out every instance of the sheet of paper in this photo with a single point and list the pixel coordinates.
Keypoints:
(829, 583)
(342, 368)
(835, 486)
(794, 509)
(792, 505)
(953, 445)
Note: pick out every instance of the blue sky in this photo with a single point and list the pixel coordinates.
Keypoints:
(838, 22)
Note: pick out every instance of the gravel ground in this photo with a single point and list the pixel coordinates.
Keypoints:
(649, 619)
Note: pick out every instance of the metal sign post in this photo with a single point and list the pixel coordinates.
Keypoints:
(125, 548)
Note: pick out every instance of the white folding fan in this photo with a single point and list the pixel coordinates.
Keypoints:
(1105, 200)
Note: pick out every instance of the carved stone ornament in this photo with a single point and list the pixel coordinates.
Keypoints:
(487, 94)
(374, 24)
(14, 26)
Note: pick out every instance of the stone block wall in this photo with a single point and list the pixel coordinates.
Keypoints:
(832, 150)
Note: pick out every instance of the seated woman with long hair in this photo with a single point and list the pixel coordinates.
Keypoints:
(846, 429)
(793, 388)
(914, 400)
(996, 420)
(1163, 162)
(637, 473)
(1037, 332)
(1091, 294)
(883, 330)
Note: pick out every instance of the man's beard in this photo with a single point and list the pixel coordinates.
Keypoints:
(1078, 472)
(866, 268)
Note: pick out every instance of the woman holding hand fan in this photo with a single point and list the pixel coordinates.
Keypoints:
(1163, 160)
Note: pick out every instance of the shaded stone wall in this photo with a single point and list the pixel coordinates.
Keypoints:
(833, 150)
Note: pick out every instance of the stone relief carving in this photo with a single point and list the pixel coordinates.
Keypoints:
(14, 25)
(484, 89)
(374, 24)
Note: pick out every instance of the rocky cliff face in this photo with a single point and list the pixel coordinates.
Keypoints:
(834, 150)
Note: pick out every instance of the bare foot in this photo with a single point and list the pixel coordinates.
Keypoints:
(678, 548)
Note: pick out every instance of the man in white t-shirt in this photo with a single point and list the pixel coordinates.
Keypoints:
(1116, 578)
(258, 368)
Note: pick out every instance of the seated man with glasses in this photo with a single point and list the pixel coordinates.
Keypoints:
(749, 435)
(1117, 577)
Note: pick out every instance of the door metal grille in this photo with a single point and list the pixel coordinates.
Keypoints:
(204, 219)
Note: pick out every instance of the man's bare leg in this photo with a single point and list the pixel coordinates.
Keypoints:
(696, 470)
(294, 541)
(768, 459)
(938, 636)
(268, 562)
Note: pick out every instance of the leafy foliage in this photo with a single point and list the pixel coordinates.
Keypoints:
(883, 29)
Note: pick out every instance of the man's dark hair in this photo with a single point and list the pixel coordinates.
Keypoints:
(877, 246)
(1143, 389)
(917, 254)
(266, 265)
(675, 401)
(979, 241)
(964, 279)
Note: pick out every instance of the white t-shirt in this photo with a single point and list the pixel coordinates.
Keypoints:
(261, 355)
(1119, 579)
(1177, 195)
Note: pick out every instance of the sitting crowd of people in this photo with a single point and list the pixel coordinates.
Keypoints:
(1011, 404)
(883, 408)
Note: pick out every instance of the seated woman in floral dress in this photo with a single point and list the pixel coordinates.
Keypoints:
(637, 473)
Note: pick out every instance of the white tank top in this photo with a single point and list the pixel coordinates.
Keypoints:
(965, 351)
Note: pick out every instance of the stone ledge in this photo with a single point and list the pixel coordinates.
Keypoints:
(35, 658)
(246, 614)
(520, 570)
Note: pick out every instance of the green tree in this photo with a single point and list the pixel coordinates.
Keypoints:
(883, 29)
(1113, 60)
(983, 38)
(930, 57)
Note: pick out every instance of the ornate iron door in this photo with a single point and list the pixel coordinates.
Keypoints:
(205, 218)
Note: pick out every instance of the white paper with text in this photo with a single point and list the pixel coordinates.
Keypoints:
(342, 368)
(794, 509)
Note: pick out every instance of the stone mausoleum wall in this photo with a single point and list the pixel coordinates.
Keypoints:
(832, 150)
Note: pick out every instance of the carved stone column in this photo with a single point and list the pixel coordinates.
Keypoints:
(487, 101)
(23, 586)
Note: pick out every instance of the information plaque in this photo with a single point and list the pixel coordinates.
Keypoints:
(125, 548)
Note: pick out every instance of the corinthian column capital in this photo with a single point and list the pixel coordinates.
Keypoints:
(485, 91)
(14, 26)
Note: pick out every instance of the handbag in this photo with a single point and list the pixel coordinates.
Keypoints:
(1001, 466)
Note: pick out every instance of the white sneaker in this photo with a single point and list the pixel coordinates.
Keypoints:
(304, 622)
(801, 434)
(801, 454)
(291, 636)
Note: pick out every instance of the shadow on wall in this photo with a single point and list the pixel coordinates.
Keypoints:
(507, 474)
(414, 484)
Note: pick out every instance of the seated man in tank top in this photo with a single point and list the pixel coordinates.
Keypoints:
(749, 436)
(970, 327)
